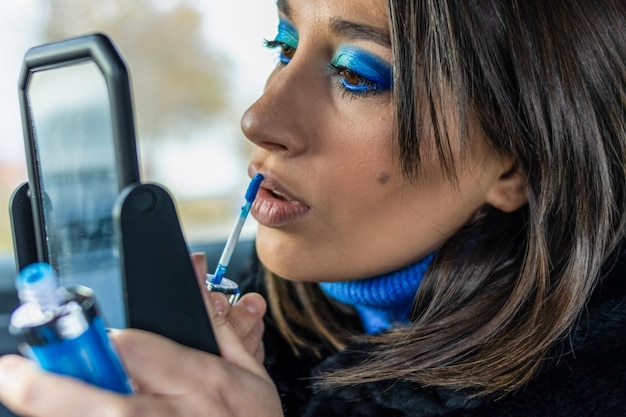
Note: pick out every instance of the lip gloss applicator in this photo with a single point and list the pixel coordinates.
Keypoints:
(217, 282)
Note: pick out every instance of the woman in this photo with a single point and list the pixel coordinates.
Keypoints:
(452, 173)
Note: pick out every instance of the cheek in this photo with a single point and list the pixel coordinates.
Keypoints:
(348, 179)
(359, 172)
(361, 149)
(392, 223)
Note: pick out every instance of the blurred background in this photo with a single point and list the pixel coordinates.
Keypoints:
(195, 66)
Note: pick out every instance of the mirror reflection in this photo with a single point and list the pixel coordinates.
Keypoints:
(71, 117)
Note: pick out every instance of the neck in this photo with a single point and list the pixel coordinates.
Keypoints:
(383, 300)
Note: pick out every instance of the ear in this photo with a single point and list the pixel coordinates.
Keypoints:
(509, 192)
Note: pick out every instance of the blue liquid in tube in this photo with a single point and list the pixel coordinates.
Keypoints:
(64, 332)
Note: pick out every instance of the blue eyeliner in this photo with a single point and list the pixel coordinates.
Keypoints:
(216, 281)
(376, 72)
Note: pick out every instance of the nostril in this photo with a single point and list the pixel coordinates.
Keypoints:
(272, 146)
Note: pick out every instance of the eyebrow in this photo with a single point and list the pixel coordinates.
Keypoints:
(348, 29)
(361, 31)
(283, 7)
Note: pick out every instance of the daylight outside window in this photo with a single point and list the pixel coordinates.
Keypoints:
(194, 66)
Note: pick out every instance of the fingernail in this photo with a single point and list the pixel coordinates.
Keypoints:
(250, 307)
(219, 302)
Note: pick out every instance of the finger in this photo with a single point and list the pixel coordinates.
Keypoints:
(27, 390)
(259, 353)
(198, 260)
(158, 365)
(246, 313)
(165, 368)
(246, 318)
(253, 342)
(215, 303)
(230, 344)
(218, 307)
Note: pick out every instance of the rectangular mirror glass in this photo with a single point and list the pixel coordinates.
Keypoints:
(70, 111)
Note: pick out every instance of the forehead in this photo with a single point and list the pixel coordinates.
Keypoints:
(369, 12)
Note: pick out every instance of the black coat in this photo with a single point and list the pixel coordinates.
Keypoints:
(588, 380)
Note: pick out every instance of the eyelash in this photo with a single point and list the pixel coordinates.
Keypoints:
(364, 87)
(284, 49)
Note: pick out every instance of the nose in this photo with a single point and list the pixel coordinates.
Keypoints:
(279, 120)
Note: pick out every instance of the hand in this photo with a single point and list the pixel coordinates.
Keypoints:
(246, 316)
(171, 380)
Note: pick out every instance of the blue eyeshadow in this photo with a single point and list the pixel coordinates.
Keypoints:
(366, 65)
(287, 34)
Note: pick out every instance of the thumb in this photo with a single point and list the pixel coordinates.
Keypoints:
(232, 347)
(230, 344)
(28, 390)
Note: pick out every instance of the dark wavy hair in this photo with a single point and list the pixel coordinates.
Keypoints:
(546, 83)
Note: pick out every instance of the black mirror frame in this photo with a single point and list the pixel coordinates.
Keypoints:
(100, 49)
(162, 294)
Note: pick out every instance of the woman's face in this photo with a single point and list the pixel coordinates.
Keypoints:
(334, 204)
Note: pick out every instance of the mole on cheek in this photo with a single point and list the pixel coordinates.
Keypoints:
(383, 178)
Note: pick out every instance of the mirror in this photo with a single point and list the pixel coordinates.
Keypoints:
(81, 152)
(71, 117)
(84, 209)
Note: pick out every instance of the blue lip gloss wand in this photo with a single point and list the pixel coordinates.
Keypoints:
(63, 330)
(217, 282)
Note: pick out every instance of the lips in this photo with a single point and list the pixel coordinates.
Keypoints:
(279, 195)
(275, 206)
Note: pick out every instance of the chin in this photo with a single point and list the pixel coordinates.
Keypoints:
(274, 256)
(297, 259)
(286, 260)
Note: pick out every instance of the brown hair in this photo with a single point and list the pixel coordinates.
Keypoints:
(546, 81)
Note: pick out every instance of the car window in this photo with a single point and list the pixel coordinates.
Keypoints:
(194, 65)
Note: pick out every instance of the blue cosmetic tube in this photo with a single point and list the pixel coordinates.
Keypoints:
(64, 332)
(216, 282)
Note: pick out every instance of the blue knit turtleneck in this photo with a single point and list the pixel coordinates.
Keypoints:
(380, 301)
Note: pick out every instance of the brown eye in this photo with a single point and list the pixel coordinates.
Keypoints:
(288, 51)
(354, 83)
(350, 76)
